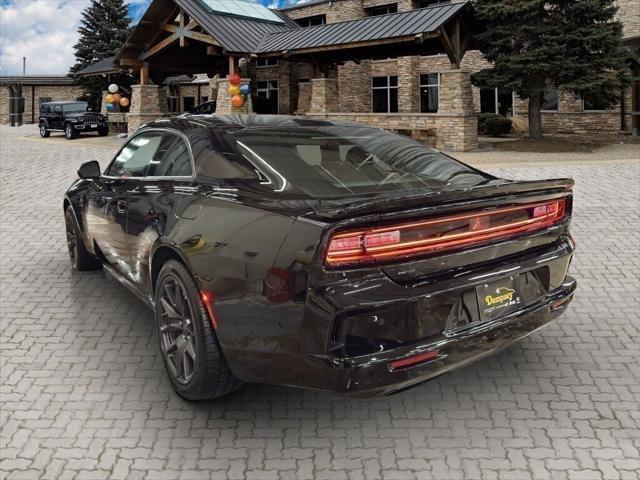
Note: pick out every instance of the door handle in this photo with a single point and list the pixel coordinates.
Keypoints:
(122, 206)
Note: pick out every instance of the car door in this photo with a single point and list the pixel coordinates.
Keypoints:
(108, 201)
(154, 200)
(55, 121)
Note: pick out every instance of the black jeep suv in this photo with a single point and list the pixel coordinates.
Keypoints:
(70, 118)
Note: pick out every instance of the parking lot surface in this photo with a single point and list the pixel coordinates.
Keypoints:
(84, 394)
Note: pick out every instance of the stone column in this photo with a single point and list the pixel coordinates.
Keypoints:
(408, 85)
(304, 98)
(223, 99)
(324, 95)
(103, 102)
(458, 120)
(148, 102)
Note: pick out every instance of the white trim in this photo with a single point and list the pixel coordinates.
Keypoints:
(388, 88)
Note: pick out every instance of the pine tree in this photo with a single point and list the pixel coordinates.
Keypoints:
(103, 30)
(533, 44)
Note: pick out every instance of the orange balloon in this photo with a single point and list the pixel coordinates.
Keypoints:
(109, 98)
(234, 90)
(124, 102)
(234, 79)
(237, 101)
(116, 98)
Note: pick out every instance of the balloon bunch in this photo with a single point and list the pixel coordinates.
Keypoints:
(114, 99)
(239, 93)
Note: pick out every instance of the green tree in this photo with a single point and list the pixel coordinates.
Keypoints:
(533, 44)
(103, 29)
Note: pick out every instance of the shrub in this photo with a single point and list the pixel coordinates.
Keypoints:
(497, 126)
(482, 120)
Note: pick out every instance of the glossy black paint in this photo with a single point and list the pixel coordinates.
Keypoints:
(282, 316)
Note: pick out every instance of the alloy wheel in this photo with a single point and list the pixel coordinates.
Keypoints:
(43, 130)
(72, 240)
(68, 132)
(177, 330)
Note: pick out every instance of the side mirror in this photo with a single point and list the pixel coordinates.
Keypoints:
(89, 170)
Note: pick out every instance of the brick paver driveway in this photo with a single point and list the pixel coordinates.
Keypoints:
(84, 394)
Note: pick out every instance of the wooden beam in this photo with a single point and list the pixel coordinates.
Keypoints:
(129, 62)
(202, 37)
(213, 50)
(144, 74)
(158, 47)
(449, 47)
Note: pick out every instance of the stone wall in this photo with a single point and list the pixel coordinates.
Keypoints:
(335, 11)
(629, 15)
(148, 103)
(32, 96)
(450, 132)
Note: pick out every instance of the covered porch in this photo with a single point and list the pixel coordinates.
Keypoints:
(189, 37)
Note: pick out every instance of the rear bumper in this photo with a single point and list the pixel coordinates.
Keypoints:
(372, 375)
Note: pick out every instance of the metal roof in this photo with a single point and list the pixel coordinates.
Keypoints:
(100, 67)
(37, 80)
(235, 34)
(413, 22)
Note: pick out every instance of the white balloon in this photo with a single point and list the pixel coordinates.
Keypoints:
(113, 88)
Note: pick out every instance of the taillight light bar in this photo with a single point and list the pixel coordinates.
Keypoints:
(440, 234)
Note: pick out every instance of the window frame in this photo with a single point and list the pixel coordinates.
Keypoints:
(154, 178)
(428, 85)
(267, 90)
(267, 60)
(434, 3)
(308, 19)
(388, 88)
(550, 110)
(387, 6)
(584, 109)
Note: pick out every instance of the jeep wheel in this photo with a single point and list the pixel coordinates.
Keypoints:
(44, 133)
(70, 131)
(103, 131)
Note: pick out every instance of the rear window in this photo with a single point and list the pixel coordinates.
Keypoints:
(339, 160)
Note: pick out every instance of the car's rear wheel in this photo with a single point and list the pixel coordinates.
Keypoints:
(103, 131)
(44, 133)
(70, 131)
(189, 346)
(81, 259)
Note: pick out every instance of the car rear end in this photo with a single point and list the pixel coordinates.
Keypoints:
(405, 263)
(407, 294)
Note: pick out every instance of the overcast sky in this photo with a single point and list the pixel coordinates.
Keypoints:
(45, 31)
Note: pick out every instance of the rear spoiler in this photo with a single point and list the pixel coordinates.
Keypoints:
(395, 202)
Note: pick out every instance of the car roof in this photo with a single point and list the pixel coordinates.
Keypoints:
(241, 121)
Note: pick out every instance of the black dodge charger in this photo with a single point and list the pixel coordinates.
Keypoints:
(320, 254)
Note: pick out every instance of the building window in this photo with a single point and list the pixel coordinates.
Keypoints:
(189, 103)
(204, 99)
(429, 92)
(592, 103)
(311, 21)
(266, 62)
(267, 93)
(431, 3)
(173, 104)
(382, 9)
(550, 99)
(496, 100)
(384, 94)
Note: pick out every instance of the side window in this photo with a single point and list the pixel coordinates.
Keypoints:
(136, 156)
(172, 158)
(57, 109)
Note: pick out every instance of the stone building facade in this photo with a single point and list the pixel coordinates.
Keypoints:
(35, 90)
(568, 114)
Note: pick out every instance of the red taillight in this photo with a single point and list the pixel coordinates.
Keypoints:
(439, 234)
(414, 360)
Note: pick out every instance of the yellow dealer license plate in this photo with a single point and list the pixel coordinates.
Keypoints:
(498, 298)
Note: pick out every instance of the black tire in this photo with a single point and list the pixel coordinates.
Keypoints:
(44, 133)
(184, 332)
(103, 131)
(70, 131)
(81, 259)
